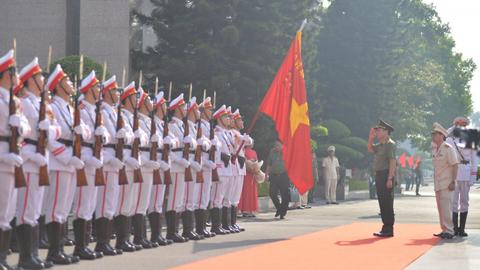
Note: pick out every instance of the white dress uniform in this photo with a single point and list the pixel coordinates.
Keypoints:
(62, 174)
(143, 190)
(192, 189)
(8, 193)
(241, 170)
(227, 139)
(206, 187)
(225, 172)
(30, 198)
(107, 196)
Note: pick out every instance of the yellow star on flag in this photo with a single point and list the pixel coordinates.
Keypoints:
(298, 115)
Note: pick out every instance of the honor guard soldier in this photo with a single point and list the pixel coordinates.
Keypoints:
(86, 196)
(385, 168)
(30, 198)
(62, 166)
(230, 183)
(192, 188)
(207, 167)
(143, 190)
(107, 195)
(176, 190)
(224, 169)
(239, 140)
(126, 204)
(157, 197)
(8, 159)
(466, 177)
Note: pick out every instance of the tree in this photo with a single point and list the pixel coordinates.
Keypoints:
(71, 65)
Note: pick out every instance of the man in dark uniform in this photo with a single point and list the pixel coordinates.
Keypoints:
(385, 166)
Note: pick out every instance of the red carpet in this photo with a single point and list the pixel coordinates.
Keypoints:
(346, 247)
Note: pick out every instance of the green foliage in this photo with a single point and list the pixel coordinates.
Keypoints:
(337, 129)
(357, 184)
(263, 189)
(356, 143)
(71, 65)
(319, 131)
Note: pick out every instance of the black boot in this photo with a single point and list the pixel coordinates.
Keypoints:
(4, 249)
(66, 239)
(123, 233)
(171, 217)
(42, 233)
(110, 230)
(130, 231)
(187, 220)
(138, 221)
(216, 226)
(156, 230)
(35, 246)
(461, 228)
(55, 254)
(233, 217)
(226, 220)
(103, 238)
(24, 241)
(455, 222)
(13, 237)
(200, 224)
(81, 250)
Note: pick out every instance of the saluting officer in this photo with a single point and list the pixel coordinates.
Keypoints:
(8, 160)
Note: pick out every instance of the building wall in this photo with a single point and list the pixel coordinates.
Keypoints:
(103, 31)
(35, 25)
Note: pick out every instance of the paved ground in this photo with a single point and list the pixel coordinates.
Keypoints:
(265, 229)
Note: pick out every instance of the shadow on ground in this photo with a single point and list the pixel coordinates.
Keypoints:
(204, 246)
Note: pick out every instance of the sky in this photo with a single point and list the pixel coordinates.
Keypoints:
(464, 21)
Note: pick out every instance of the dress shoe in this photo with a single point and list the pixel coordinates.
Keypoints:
(447, 236)
(383, 234)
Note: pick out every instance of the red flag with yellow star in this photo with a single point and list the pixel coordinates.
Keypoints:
(286, 103)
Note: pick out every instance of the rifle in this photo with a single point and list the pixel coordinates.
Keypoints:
(97, 145)
(157, 180)
(43, 179)
(137, 174)
(198, 151)
(213, 149)
(122, 174)
(186, 147)
(77, 140)
(13, 142)
(167, 179)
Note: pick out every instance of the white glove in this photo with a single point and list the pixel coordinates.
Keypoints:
(101, 131)
(182, 162)
(188, 139)
(169, 140)
(39, 159)
(14, 120)
(11, 159)
(121, 134)
(209, 164)
(216, 142)
(155, 138)
(137, 133)
(246, 138)
(204, 143)
(44, 124)
(195, 166)
(132, 163)
(150, 164)
(116, 163)
(163, 165)
(76, 163)
(79, 130)
(93, 162)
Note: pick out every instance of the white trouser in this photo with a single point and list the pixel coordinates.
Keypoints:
(237, 190)
(176, 192)
(8, 200)
(157, 199)
(125, 197)
(191, 195)
(460, 197)
(107, 196)
(204, 190)
(61, 192)
(331, 189)
(142, 192)
(29, 200)
(304, 198)
(444, 205)
(85, 199)
(218, 192)
(229, 191)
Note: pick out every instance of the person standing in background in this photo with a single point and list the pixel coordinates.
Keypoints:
(278, 178)
(249, 200)
(331, 174)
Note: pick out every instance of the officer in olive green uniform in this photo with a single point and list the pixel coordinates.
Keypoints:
(385, 167)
